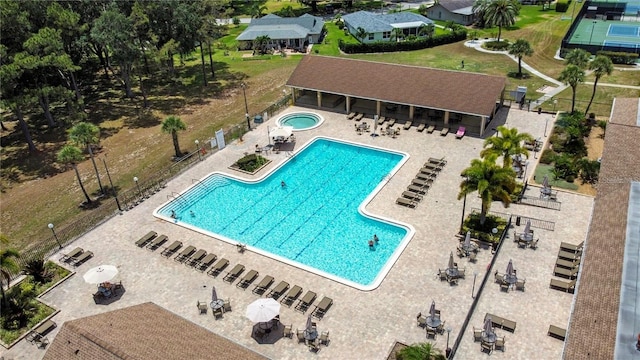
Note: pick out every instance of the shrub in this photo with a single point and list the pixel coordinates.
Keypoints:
(251, 162)
(565, 166)
(497, 45)
(562, 6)
(589, 170)
(547, 156)
(392, 46)
(620, 57)
(236, 21)
(483, 232)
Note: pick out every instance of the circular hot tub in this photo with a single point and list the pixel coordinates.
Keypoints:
(300, 120)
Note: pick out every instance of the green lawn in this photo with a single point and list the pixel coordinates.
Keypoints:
(544, 169)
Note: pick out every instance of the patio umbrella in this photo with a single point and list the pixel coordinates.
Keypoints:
(510, 268)
(527, 228)
(432, 309)
(100, 274)
(545, 182)
(451, 261)
(488, 326)
(263, 310)
(282, 131)
(214, 294)
(309, 327)
(375, 124)
(467, 240)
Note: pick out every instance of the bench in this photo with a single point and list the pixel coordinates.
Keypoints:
(41, 330)
(82, 258)
(502, 323)
(145, 239)
(557, 332)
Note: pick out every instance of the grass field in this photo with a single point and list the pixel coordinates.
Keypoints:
(37, 191)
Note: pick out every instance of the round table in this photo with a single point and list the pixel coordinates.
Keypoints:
(469, 248)
(452, 272)
(433, 322)
(310, 334)
(510, 279)
(217, 304)
(526, 237)
(489, 338)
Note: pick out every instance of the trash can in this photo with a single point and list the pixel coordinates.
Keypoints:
(257, 119)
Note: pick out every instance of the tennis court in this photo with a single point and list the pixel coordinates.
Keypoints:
(623, 30)
(621, 44)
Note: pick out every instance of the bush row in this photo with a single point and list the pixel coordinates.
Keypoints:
(393, 46)
(620, 57)
(562, 6)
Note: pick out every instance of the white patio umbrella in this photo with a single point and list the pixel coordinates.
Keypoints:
(527, 227)
(100, 274)
(309, 327)
(432, 309)
(510, 268)
(214, 294)
(451, 260)
(375, 124)
(488, 326)
(282, 131)
(545, 182)
(467, 240)
(263, 310)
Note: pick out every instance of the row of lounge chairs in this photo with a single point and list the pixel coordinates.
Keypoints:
(421, 183)
(201, 260)
(355, 116)
(76, 257)
(567, 266)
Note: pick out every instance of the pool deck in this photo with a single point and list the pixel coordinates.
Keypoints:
(362, 324)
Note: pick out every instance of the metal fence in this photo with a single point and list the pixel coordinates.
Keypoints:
(127, 199)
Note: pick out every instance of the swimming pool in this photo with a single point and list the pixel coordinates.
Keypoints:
(317, 221)
(300, 120)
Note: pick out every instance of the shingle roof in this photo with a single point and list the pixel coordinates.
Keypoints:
(592, 328)
(375, 23)
(456, 91)
(145, 331)
(453, 5)
(277, 27)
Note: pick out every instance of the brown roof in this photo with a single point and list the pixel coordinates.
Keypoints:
(455, 91)
(145, 331)
(592, 329)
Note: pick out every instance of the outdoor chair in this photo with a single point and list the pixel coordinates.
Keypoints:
(287, 332)
(234, 273)
(568, 255)
(68, 257)
(412, 196)
(226, 306)
(306, 301)
(406, 202)
(432, 166)
(431, 333)
(477, 334)
(351, 115)
(292, 295)
(571, 247)
(486, 347)
(407, 125)
(444, 131)
(417, 189)
(421, 127)
(381, 120)
(473, 256)
(206, 262)
(441, 162)
(185, 254)
(504, 286)
(145, 239)
(520, 284)
(431, 129)
(557, 332)
(391, 121)
(565, 273)
(300, 334)
(358, 117)
(264, 284)
(461, 273)
(246, 280)
(442, 274)
(202, 307)
(193, 260)
(322, 307)
(217, 313)
(499, 278)
(460, 133)
(440, 328)
(82, 258)
(218, 267)
(324, 338)
(428, 175)
(421, 183)
(568, 264)
(157, 242)
(171, 249)
(313, 346)
(534, 244)
(460, 253)
(277, 291)
(42, 342)
(422, 320)
(499, 344)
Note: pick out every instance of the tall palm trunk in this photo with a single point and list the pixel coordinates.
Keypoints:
(593, 94)
(75, 167)
(213, 74)
(176, 146)
(204, 66)
(93, 160)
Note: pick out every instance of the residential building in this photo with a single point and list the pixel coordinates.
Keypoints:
(458, 11)
(380, 27)
(294, 33)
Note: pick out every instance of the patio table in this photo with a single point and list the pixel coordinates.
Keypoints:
(433, 322)
(510, 279)
(452, 272)
(469, 248)
(311, 334)
(217, 304)
(489, 338)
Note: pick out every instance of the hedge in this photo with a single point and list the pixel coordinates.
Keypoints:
(562, 6)
(620, 57)
(392, 46)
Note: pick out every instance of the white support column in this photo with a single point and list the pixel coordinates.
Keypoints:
(348, 103)
(446, 117)
(378, 107)
(411, 110)
(483, 123)
(319, 99)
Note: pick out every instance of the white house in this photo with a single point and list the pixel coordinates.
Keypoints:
(295, 33)
(458, 11)
(379, 27)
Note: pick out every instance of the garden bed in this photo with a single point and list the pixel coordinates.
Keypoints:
(250, 164)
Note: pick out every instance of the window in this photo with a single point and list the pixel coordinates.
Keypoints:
(386, 34)
(371, 36)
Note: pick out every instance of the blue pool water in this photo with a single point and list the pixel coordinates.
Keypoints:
(300, 120)
(314, 221)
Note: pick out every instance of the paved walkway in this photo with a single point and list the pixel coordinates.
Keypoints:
(362, 324)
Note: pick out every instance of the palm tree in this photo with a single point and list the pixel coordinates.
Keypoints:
(572, 75)
(397, 34)
(85, 134)
(261, 43)
(519, 49)
(257, 10)
(479, 10)
(8, 266)
(501, 13)
(426, 30)
(577, 57)
(601, 65)
(70, 154)
(509, 143)
(172, 125)
(422, 351)
(490, 181)
(361, 33)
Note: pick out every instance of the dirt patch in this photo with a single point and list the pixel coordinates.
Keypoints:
(595, 146)
(396, 348)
